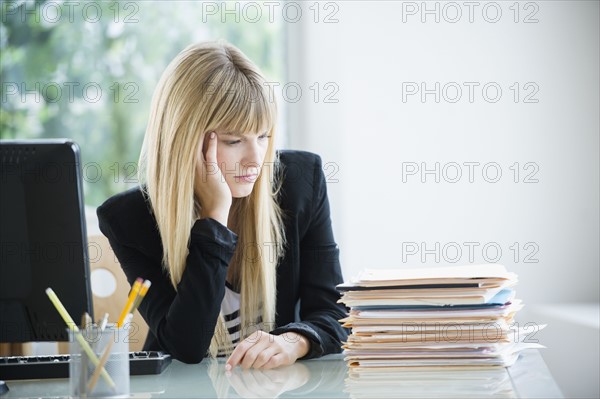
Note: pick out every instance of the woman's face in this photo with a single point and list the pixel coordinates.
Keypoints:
(240, 158)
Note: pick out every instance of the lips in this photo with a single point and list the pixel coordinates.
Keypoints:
(247, 178)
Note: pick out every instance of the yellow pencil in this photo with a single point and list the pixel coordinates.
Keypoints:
(135, 290)
(73, 327)
(132, 295)
(140, 297)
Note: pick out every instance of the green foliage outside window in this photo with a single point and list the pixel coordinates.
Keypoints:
(86, 71)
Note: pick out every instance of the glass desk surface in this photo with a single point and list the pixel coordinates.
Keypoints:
(326, 377)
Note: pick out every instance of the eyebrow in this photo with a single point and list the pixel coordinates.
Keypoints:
(232, 134)
(237, 134)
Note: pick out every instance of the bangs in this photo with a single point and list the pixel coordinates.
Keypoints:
(241, 105)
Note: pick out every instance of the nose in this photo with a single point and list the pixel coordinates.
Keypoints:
(253, 157)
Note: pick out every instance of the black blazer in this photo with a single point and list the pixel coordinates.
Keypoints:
(182, 322)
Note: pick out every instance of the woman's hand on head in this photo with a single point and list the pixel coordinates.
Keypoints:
(262, 350)
(209, 184)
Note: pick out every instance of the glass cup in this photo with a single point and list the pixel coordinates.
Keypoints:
(99, 364)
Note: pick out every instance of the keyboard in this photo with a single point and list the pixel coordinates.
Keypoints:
(57, 366)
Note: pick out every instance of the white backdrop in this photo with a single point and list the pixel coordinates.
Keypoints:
(502, 87)
(519, 99)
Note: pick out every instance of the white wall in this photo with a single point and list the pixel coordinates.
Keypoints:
(371, 133)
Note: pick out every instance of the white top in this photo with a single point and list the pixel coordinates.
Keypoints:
(230, 309)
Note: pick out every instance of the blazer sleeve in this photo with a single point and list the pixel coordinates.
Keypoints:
(320, 272)
(182, 320)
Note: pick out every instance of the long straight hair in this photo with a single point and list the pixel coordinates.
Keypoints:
(214, 86)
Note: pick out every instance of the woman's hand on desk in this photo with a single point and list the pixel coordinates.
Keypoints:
(262, 350)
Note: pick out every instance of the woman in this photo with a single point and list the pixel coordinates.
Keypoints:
(235, 237)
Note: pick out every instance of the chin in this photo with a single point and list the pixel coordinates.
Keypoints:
(241, 193)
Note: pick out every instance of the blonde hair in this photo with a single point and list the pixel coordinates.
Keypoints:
(214, 86)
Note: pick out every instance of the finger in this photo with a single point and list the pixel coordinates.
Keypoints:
(240, 350)
(254, 352)
(264, 356)
(236, 356)
(203, 147)
(278, 360)
(209, 149)
(251, 355)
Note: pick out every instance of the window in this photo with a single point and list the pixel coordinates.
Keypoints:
(87, 71)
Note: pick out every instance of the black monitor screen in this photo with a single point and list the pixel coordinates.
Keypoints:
(42, 239)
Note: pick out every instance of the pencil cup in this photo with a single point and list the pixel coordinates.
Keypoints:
(102, 368)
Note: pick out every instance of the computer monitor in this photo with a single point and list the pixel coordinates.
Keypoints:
(43, 239)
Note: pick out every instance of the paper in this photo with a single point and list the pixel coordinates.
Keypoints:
(432, 318)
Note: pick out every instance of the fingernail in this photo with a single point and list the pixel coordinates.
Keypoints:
(228, 367)
(212, 135)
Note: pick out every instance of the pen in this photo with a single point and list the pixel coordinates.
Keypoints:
(103, 322)
(101, 326)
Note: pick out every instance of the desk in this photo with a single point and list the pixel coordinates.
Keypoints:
(322, 378)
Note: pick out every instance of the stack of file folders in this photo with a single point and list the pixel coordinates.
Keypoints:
(448, 318)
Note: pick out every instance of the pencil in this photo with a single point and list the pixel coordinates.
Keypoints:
(140, 297)
(86, 322)
(94, 378)
(143, 290)
(132, 295)
(73, 327)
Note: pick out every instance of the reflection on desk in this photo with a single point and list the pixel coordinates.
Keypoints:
(327, 377)
(431, 384)
(300, 380)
